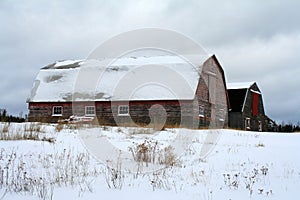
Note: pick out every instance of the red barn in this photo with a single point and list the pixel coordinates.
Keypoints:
(195, 96)
(247, 109)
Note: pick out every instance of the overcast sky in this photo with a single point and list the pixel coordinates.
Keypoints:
(253, 40)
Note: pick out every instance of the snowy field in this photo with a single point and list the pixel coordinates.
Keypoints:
(50, 162)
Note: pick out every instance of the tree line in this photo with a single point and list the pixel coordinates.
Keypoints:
(5, 117)
(288, 127)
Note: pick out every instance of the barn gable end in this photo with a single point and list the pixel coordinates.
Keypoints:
(247, 109)
(212, 94)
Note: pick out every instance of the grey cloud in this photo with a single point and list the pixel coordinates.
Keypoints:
(225, 22)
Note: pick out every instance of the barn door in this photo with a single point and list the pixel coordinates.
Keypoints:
(255, 104)
(247, 124)
(259, 126)
(212, 87)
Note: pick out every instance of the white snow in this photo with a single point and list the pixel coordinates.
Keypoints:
(134, 78)
(254, 91)
(239, 85)
(243, 165)
(65, 62)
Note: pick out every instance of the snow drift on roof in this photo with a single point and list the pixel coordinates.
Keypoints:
(239, 85)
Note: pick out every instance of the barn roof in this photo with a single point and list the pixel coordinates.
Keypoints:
(237, 93)
(62, 81)
(239, 85)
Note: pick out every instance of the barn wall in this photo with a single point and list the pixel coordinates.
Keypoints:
(212, 93)
(177, 113)
(202, 99)
(236, 121)
(42, 111)
(139, 112)
(248, 112)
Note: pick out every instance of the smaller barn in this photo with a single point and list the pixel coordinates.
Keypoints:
(246, 107)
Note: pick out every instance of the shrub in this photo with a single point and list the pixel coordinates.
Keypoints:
(149, 152)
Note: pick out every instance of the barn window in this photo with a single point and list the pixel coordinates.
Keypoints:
(259, 126)
(221, 115)
(211, 84)
(57, 111)
(247, 124)
(201, 111)
(123, 110)
(90, 111)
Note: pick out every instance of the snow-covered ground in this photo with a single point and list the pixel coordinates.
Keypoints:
(242, 165)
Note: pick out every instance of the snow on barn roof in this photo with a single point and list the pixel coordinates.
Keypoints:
(59, 81)
(239, 85)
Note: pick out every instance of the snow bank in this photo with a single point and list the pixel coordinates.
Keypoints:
(242, 165)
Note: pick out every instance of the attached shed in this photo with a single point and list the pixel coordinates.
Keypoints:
(246, 107)
(196, 98)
